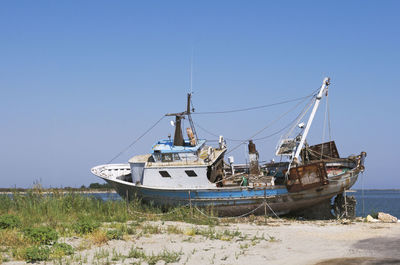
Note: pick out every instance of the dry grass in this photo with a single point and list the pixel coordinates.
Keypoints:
(98, 237)
(173, 229)
(11, 238)
(18, 253)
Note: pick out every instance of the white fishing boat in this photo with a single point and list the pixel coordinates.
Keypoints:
(189, 171)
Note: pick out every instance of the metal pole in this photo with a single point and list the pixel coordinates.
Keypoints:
(324, 87)
(190, 203)
(127, 200)
(265, 205)
(345, 204)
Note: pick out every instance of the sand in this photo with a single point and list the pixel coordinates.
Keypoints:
(277, 242)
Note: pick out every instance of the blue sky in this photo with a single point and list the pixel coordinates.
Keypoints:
(80, 80)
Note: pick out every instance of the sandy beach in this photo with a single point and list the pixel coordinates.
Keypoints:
(273, 242)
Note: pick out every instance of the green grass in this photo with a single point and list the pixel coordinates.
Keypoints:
(31, 222)
(9, 221)
(166, 255)
(41, 235)
(62, 210)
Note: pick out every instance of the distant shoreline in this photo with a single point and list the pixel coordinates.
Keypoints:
(98, 191)
(45, 191)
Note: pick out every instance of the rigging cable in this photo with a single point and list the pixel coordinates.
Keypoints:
(300, 116)
(137, 139)
(266, 126)
(324, 127)
(329, 119)
(254, 108)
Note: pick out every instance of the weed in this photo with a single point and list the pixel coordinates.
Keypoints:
(212, 234)
(272, 239)
(85, 225)
(151, 229)
(136, 253)
(84, 244)
(59, 250)
(190, 231)
(173, 229)
(114, 234)
(238, 254)
(116, 256)
(101, 254)
(374, 214)
(98, 237)
(37, 253)
(9, 221)
(41, 235)
(244, 246)
(12, 238)
(130, 230)
(165, 255)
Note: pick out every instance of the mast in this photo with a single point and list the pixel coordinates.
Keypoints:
(188, 113)
(324, 88)
(178, 136)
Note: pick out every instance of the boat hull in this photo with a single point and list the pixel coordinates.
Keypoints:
(236, 201)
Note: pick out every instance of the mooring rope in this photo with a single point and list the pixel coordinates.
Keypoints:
(239, 216)
(158, 214)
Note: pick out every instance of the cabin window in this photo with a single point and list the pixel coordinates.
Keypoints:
(176, 157)
(191, 173)
(164, 174)
(166, 157)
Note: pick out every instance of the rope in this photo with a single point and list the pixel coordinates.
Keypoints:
(244, 140)
(329, 119)
(231, 217)
(362, 193)
(272, 210)
(242, 215)
(265, 127)
(136, 140)
(253, 108)
(326, 156)
(299, 117)
(157, 214)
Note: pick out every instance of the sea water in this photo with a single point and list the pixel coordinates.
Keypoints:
(368, 201)
(373, 201)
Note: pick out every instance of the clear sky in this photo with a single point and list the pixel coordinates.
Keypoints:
(80, 80)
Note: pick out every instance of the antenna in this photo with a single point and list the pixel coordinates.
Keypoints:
(191, 74)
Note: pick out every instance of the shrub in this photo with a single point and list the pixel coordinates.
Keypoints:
(85, 226)
(37, 253)
(61, 249)
(9, 221)
(98, 237)
(41, 235)
(114, 234)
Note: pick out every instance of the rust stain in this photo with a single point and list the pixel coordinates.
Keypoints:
(307, 177)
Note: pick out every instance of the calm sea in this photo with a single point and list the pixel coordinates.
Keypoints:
(368, 202)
